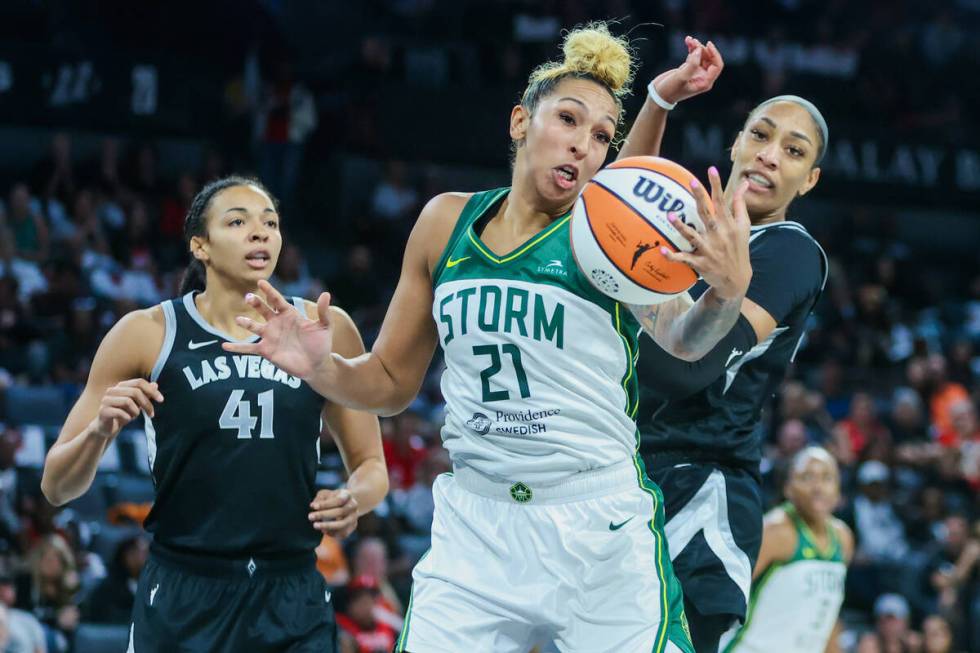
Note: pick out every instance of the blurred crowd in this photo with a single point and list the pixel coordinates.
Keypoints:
(887, 378)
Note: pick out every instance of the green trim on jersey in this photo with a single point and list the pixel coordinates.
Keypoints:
(632, 343)
(521, 249)
(473, 209)
(806, 546)
(753, 602)
(673, 621)
(552, 242)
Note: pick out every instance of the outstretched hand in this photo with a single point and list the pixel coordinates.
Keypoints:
(696, 75)
(721, 249)
(288, 338)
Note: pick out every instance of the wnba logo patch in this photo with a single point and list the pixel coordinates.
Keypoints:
(479, 423)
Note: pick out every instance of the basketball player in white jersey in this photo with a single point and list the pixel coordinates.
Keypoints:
(548, 529)
(798, 582)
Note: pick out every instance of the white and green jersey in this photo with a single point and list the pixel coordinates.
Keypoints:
(794, 606)
(539, 381)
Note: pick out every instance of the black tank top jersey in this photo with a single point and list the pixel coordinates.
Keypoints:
(720, 422)
(233, 448)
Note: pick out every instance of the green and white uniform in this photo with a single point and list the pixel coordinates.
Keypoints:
(794, 605)
(534, 538)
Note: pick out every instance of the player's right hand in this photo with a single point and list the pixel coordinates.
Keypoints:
(122, 403)
(289, 340)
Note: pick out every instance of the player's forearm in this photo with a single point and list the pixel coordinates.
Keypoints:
(695, 332)
(361, 383)
(70, 467)
(647, 133)
(368, 484)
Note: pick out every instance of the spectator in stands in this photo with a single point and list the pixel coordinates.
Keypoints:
(879, 533)
(862, 429)
(907, 419)
(54, 585)
(393, 199)
(371, 559)
(26, 635)
(936, 635)
(285, 120)
(16, 332)
(943, 393)
(112, 600)
(404, 447)
(360, 630)
(11, 488)
(29, 231)
(54, 176)
(331, 561)
(26, 273)
(892, 625)
(951, 571)
(292, 276)
(416, 505)
(356, 287)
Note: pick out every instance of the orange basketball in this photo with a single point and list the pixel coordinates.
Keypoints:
(620, 223)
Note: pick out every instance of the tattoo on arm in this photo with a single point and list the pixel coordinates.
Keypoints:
(686, 329)
(695, 332)
(657, 318)
(646, 316)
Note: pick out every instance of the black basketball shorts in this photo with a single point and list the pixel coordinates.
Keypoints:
(192, 603)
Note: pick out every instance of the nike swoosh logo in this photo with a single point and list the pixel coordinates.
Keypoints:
(451, 263)
(197, 345)
(616, 527)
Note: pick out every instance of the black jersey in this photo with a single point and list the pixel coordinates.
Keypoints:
(233, 448)
(789, 271)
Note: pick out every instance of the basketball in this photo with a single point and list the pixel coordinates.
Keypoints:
(619, 224)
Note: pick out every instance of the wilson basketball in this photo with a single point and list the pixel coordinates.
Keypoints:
(619, 224)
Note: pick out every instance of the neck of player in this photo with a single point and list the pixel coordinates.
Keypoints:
(819, 525)
(524, 211)
(221, 302)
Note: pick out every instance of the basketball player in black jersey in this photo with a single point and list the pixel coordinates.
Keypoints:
(233, 445)
(698, 420)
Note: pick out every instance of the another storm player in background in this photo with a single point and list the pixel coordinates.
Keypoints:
(798, 582)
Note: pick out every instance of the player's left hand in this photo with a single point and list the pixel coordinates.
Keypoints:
(334, 512)
(695, 76)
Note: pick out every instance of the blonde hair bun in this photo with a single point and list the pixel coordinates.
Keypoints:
(593, 50)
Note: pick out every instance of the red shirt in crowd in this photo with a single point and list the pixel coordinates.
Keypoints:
(379, 639)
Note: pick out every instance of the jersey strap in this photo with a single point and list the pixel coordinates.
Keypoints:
(807, 547)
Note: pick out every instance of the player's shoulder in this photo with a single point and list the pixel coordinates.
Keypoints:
(142, 320)
(781, 534)
(846, 537)
(785, 233)
(434, 228)
(443, 210)
(137, 337)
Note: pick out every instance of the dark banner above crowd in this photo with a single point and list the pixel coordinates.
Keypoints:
(40, 88)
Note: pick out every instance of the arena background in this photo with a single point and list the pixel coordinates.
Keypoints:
(113, 114)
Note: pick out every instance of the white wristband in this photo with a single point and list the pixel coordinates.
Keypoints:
(659, 101)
